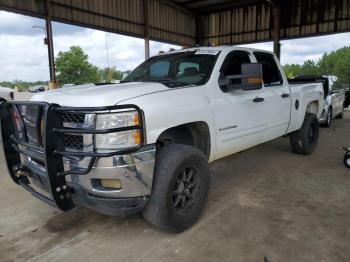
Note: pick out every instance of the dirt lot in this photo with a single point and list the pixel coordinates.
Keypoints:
(265, 201)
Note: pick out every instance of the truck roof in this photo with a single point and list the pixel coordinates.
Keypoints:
(217, 48)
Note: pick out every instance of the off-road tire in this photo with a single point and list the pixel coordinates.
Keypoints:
(304, 140)
(171, 161)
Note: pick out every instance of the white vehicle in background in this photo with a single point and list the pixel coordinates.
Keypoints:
(6, 93)
(144, 145)
(37, 89)
(67, 85)
(334, 95)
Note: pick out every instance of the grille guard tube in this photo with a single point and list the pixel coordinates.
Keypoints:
(51, 151)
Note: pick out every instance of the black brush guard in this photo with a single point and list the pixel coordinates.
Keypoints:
(50, 150)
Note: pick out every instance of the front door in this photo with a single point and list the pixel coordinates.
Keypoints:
(338, 97)
(239, 114)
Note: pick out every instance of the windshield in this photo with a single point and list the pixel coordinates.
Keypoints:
(177, 69)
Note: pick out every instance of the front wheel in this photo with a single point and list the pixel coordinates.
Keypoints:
(304, 140)
(180, 188)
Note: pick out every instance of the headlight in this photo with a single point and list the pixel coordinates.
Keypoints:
(118, 140)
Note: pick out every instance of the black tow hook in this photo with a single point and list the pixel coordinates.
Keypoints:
(21, 175)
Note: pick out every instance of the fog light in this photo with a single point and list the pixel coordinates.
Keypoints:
(111, 183)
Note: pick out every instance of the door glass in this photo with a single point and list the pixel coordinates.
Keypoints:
(233, 62)
(337, 86)
(232, 66)
(271, 73)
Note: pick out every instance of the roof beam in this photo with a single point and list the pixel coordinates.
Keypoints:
(217, 7)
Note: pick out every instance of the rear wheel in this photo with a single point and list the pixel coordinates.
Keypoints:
(304, 140)
(180, 188)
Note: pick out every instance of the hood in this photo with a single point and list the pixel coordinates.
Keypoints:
(91, 95)
(6, 89)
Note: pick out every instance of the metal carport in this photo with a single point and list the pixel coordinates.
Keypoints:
(194, 22)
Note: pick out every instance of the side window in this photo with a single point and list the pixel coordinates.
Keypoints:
(159, 69)
(337, 86)
(233, 62)
(271, 73)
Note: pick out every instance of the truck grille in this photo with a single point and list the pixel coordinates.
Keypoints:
(75, 142)
(32, 119)
(73, 118)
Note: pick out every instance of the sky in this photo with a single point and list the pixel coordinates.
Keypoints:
(23, 55)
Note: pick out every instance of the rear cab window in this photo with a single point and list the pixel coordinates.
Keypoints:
(271, 73)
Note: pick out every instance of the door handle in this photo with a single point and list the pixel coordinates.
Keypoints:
(258, 99)
(285, 95)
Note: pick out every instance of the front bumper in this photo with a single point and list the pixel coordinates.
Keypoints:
(134, 171)
(65, 178)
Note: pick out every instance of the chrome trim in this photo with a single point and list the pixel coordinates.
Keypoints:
(135, 171)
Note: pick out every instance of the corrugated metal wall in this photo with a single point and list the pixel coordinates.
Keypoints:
(313, 17)
(171, 23)
(241, 25)
(166, 23)
(299, 18)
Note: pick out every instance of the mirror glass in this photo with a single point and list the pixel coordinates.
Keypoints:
(249, 79)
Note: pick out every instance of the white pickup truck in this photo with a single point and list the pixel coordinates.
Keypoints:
(144, 145)
(6, 93)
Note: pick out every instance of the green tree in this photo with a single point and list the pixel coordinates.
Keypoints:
(292, 70)
(309, 68)
(335, 63)
(110, 74)
(73, 67)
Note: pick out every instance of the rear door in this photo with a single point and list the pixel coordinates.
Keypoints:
(338, 97)
(277, 96)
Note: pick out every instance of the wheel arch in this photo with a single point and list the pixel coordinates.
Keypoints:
(195, 134)
(313, 108)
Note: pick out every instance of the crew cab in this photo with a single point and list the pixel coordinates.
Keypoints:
(334, 95)
(6, 93)
(144, 145)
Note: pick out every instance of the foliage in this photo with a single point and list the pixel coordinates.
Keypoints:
(21, 85)
(335, 63)
(109, 75)
(73, 67)
(292, 70)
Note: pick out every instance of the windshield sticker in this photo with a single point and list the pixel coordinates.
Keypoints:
(206, 52)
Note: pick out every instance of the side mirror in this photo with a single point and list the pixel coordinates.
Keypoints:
(250, 79)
